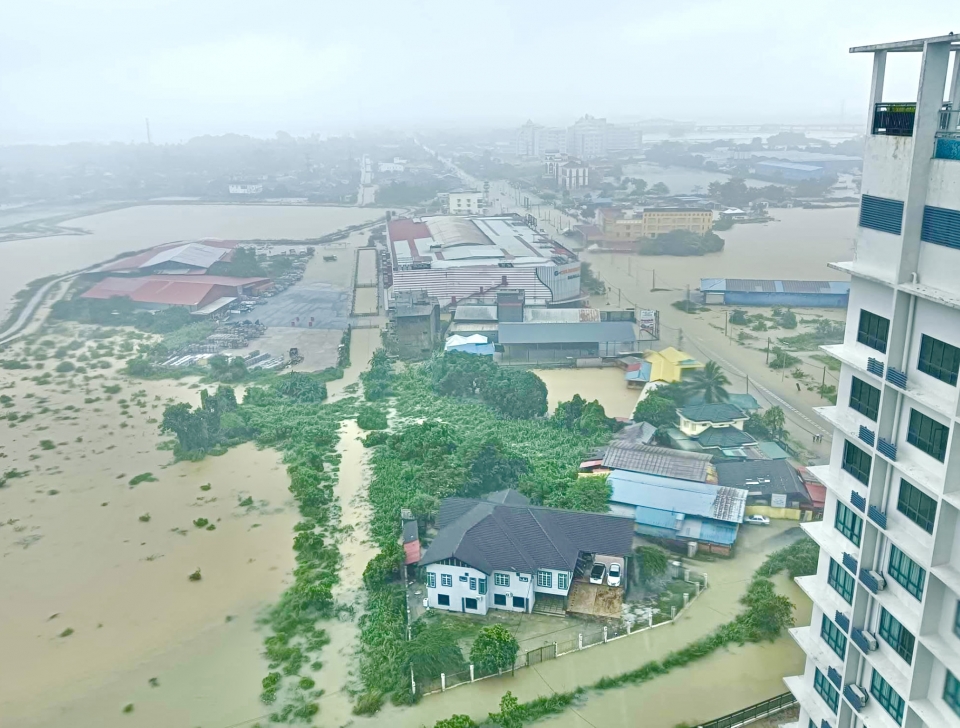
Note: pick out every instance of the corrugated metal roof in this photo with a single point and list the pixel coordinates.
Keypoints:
(566, 333)
(718, 412)
(662, 461)
(475, 313)
(759, 285)
(193, 254)
(560, 315)
(448, 284)
(762, 476)
(173, 290)
(724, 437)
(678, 496)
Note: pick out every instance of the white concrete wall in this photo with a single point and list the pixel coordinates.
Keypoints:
(516, 588)
(554, 583)
(948, 611)
(940, 323)
(913, 454)
(939, 266)
(459, 590)
(874, 298)
(886, 166)
(938, 677)
(944, 190)
(878, 252)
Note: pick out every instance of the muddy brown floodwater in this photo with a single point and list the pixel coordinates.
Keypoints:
(605, 385)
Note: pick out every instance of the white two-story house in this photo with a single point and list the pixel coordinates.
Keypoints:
(501, 552)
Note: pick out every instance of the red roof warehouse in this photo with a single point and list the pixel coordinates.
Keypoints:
(194, 291)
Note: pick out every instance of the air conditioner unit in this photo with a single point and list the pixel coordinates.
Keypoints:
(859, 693)
(871, 641)
(879, 578)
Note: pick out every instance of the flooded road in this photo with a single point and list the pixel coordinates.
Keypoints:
(620, 707)
(135, 228)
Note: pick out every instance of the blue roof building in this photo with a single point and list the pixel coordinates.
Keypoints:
(759, 292)
(679, 511)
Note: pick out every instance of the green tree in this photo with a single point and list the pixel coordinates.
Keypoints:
(511, 712)
(739, 317)
(456, 721)
(587, 418)
(768, 613)
(653, 562)
(656, 410)
(788, 320)
(584, 493)
(301, 387)
(494, 649)
(494, 468)
(433, 649)
(709, 383)
(774, 420)
(659, 189)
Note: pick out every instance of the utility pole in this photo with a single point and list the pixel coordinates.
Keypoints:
(748, 383)
(768, 350)
(726, 315)
(654, 283)
(680, 339)
(149, 138)
(823, 382)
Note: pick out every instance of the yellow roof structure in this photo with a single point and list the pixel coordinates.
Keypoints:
(669, 365)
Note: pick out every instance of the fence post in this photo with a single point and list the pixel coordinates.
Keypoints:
(604, 634)
(686, 574)
(413, 682)
(686, 600)
(443, 681)
(471, 673)
(629, 625)
(698, 588)
(704, 580)
(580, 641)
(650, 619)
(673, 613)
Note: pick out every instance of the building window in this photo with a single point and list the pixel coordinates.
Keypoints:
(464, 578)
(872, 331)
(907, 573)
(896, 635)
(926, 434)
(501, 579)
(848, 523)
(562, 580)
(500, 600)
(841, 581)
(545, 579)
(939, 360)
(917, 506)
(864, 398)
(431, 580)
(443, 600)
(951, 693)
(826, 690)
(519, 603)
(483, 586)
(956, 621)
(473, 583)
(469, 603)
(446, 580)
(834, 637)
(856, 462)
(887, 697)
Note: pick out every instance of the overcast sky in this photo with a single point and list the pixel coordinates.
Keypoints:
(93, 69)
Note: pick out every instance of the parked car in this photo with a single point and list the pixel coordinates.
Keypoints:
(597, 572)
(613, 577)
(758, 520)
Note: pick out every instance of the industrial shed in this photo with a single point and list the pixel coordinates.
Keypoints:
(536, 341)
(760, 292)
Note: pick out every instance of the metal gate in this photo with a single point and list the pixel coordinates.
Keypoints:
(547, 652)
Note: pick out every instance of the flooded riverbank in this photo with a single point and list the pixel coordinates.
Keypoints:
(135, 228)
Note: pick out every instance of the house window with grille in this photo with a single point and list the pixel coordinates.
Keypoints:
(446, 580)
(562, 578)
(431, 580)
(501, 579)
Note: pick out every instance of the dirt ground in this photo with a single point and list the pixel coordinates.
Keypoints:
(596, 600)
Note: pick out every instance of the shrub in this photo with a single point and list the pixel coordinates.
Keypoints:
(64, 366)
(495, 648)
(142, 478)
(200, 522)
(145, 517)
(47, 445)
(371, 418)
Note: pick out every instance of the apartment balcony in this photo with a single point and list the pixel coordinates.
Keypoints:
(803, 691)
(808, 639)
(850, 422)
(942, 650)
(856, 357)
(883, 659)
(822, 594)
(842, 485)
(833, 543)
(894, 119)
(914, 465)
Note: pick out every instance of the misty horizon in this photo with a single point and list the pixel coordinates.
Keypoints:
(94, 74)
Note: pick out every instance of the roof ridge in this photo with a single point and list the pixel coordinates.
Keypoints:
(547, 535)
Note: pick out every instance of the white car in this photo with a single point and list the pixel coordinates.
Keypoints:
(758, 520)
(597, 572)
(613, 576)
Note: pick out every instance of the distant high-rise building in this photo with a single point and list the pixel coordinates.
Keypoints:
(550, 139)
(526, 139)
(587, 138)
(883, 645)
(624, 138)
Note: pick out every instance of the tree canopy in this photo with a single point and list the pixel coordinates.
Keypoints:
(495, 648)
(709, 383)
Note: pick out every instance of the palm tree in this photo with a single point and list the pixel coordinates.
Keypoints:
(709, 382)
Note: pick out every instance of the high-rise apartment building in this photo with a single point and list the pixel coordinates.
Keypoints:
(883, 646)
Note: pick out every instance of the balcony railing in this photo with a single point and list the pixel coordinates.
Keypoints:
(887, 448)
(894, 119)
(835, 677)
(858, 501)
(850, 562)
(897, 378)
(868, 581)
(843, 622)
(867, 435)
(878, 516)
(875, 366)
(852, 699)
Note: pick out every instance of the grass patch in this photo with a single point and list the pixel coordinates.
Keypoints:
(830, 362)
(142, 478)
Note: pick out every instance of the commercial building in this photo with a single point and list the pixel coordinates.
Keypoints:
(465, 202)
(550, 140)
(883, 646)
(572, 175)
(789, 170)
(526, 139)
(774, 488)
(681, 513)
(503, 553)
(415, 319)
(754, 292)
(552, 341)
(194, 292)
(624, 138)
(630, 224)
(457, 258)
(587, 138)
(195, 256)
